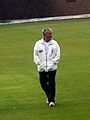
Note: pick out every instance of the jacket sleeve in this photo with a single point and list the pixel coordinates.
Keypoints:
(57, 56)
(35, 54)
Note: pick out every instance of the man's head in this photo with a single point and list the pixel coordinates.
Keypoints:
(47, 34)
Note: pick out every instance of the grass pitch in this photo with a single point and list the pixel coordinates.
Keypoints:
(21, 97)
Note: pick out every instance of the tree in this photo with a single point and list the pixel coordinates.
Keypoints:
(24, 9)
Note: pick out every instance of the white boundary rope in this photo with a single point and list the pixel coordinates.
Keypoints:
(47, 19)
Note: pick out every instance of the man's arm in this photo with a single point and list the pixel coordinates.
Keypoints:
(36, 56)
(57, 57)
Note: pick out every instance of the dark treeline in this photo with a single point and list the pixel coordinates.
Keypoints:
(24, 9)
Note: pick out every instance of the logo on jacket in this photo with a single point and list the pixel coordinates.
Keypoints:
(40, 51)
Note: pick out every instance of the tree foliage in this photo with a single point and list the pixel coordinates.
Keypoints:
(24, 9)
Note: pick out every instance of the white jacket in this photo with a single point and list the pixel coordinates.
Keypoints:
(46, 56)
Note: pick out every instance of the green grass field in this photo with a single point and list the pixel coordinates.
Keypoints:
(21, 97)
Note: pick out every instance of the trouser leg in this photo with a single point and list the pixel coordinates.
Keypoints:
(51, 79)
(44, 82)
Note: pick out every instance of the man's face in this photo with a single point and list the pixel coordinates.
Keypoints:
(48, 35)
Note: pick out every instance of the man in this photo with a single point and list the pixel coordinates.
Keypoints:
(46, 56)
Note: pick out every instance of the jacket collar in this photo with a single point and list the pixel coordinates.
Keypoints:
(43, 41)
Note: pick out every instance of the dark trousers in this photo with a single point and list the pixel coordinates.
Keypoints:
(47, 81)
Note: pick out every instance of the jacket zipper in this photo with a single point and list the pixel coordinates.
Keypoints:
(46, 57)
(46, 61)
